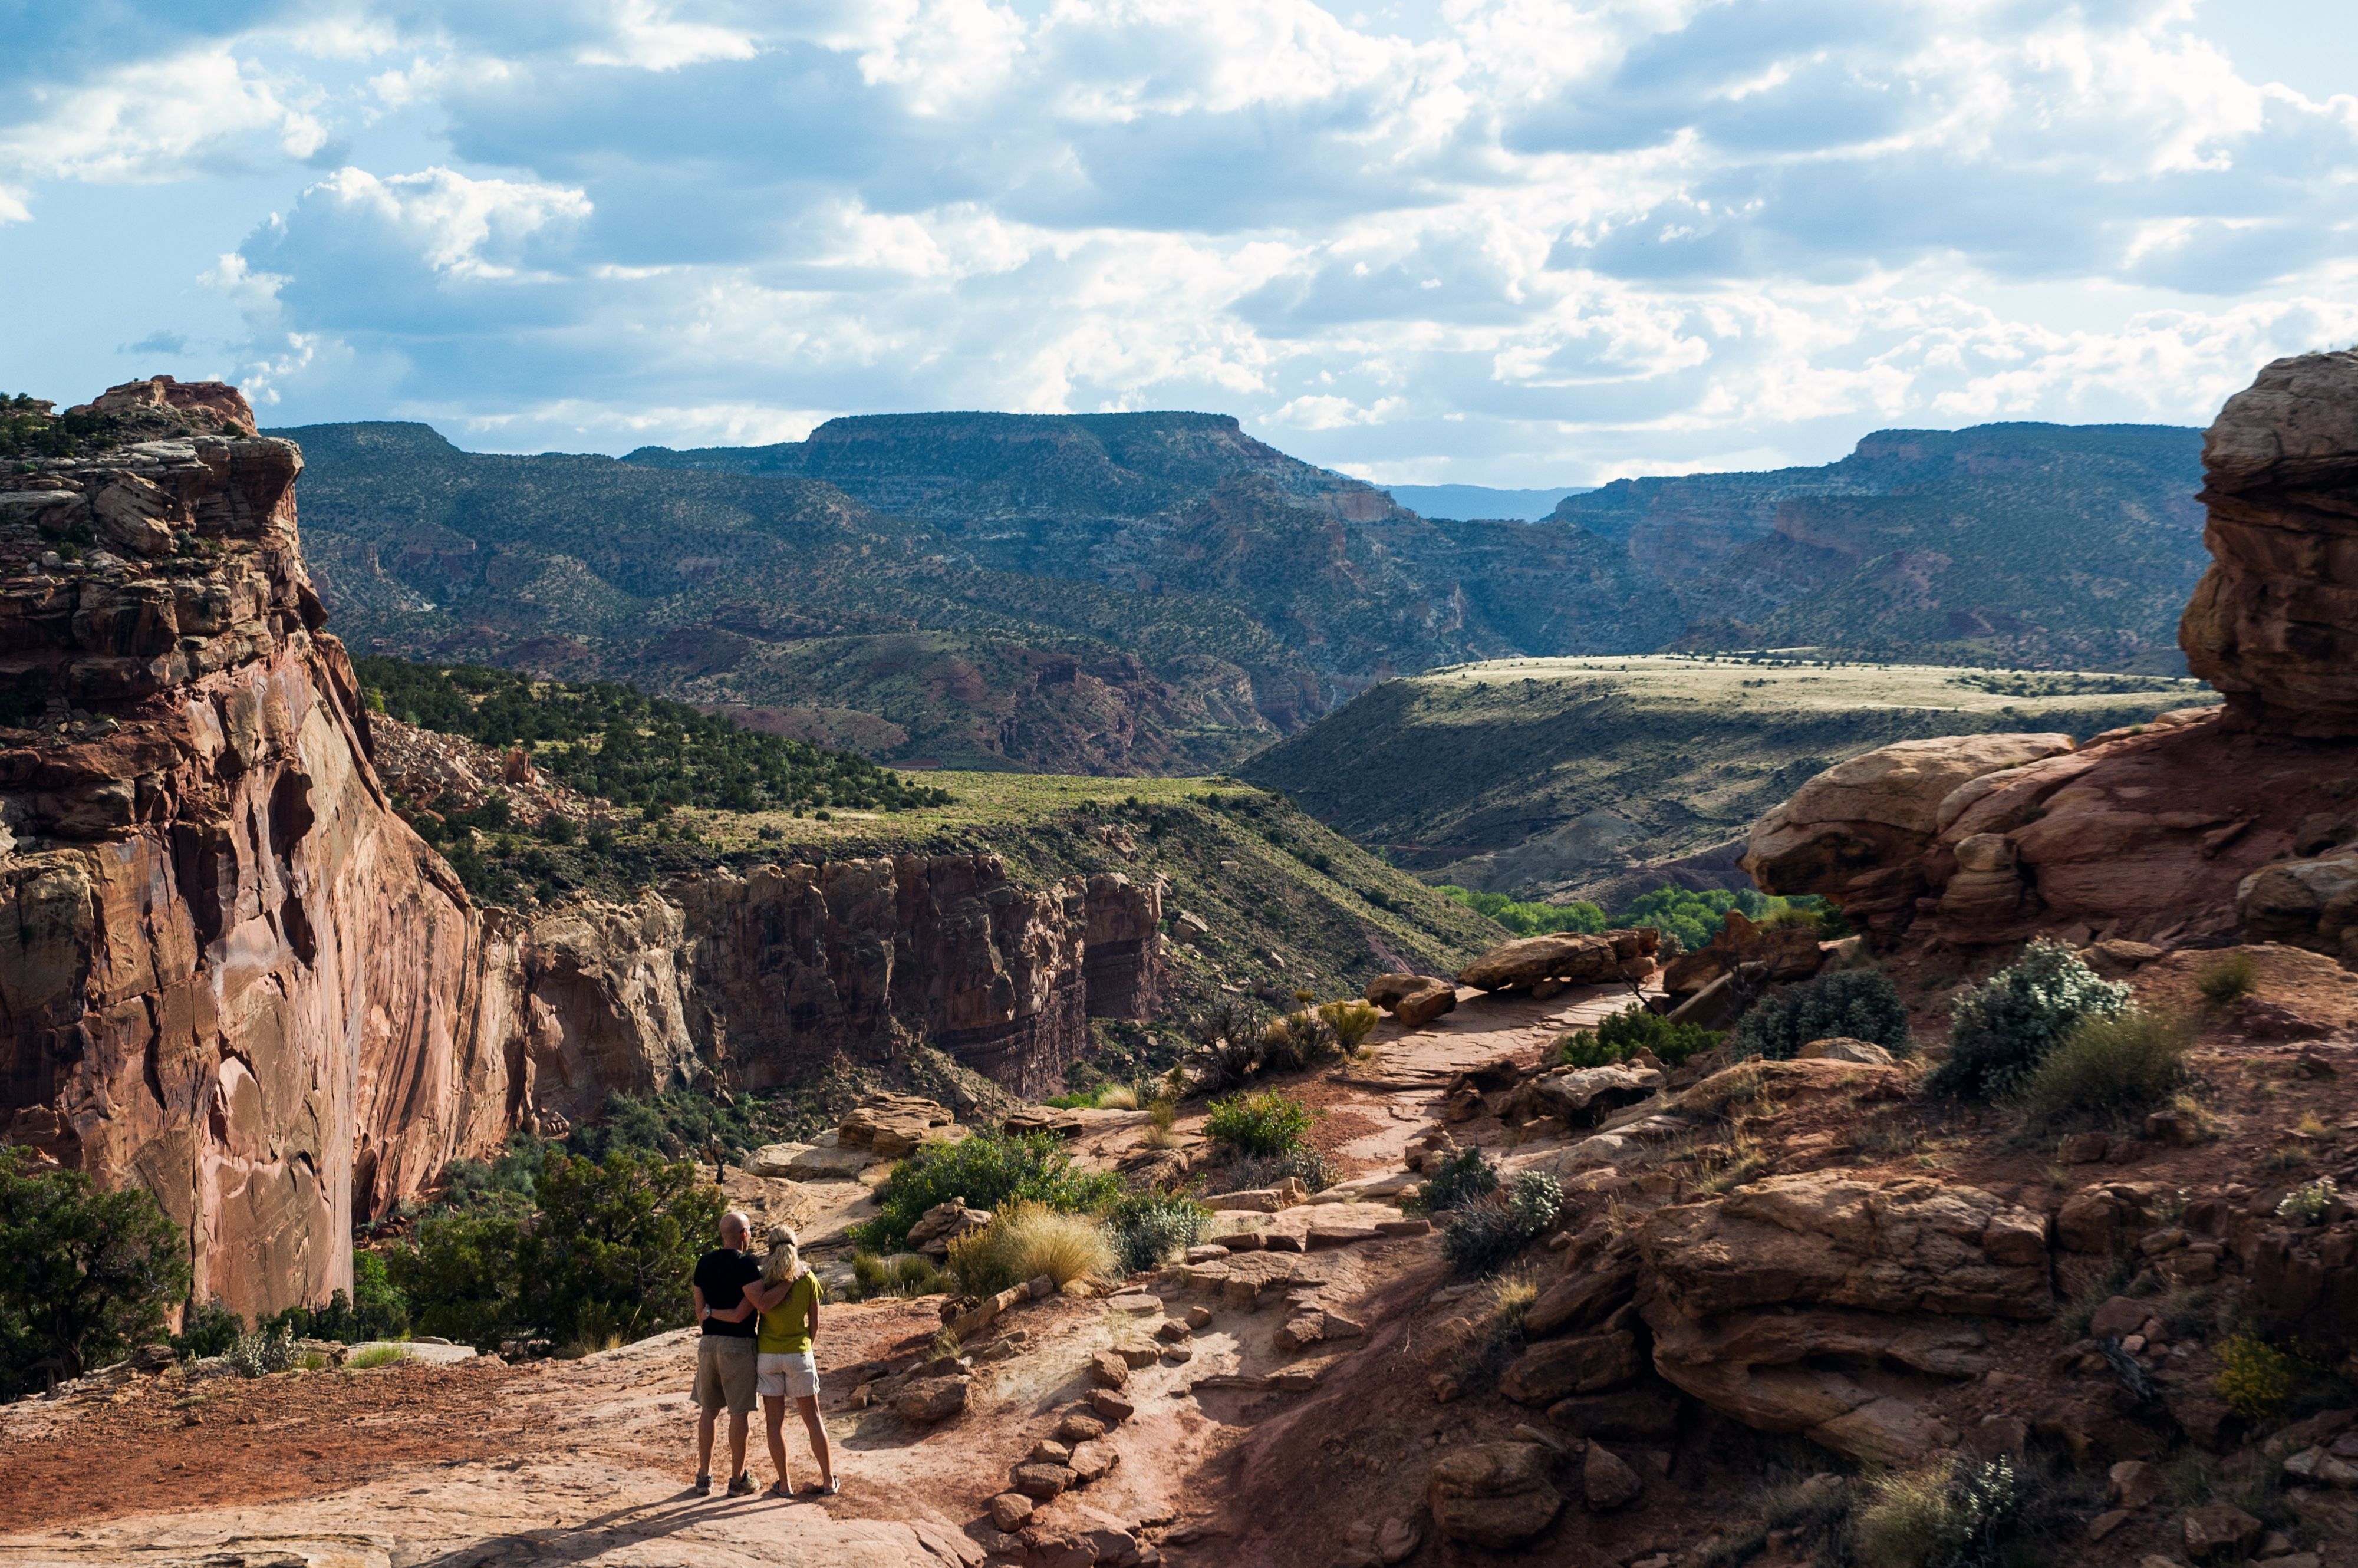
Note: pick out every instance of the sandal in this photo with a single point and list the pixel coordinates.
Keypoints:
(779, 1488)
(828, 1490)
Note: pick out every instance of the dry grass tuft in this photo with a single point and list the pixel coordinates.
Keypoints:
(1029, 1240)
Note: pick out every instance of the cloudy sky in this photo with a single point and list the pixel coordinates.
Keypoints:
(1505, 241)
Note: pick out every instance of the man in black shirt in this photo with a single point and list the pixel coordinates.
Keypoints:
(724, 1355)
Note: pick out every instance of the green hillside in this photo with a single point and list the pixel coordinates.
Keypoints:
(1578, 777)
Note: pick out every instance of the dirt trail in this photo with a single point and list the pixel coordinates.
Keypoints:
(584, 1461)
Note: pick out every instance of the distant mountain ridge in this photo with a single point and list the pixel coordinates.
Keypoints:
(2015, 543)
(1162, 592)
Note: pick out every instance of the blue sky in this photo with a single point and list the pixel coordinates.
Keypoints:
(1498, 241)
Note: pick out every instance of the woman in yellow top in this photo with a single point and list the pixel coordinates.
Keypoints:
(785, 1366)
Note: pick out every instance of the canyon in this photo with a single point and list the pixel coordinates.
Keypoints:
(232, 974)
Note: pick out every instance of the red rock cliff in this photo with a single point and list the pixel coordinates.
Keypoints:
(230, 973)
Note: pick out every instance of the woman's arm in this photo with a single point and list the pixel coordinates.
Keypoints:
(764, 1293)
(813, 1317)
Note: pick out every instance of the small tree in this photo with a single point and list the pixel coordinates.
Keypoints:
(86, 1274)
(1999, 1032)
(614, 1245)
(1856, 1004)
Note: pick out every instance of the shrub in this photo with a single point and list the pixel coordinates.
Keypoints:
(2307, 1204)
(608, 1254)
(2000, 1031)
(1486, 1237)
(1458, 1181)
(2255, 1378)
(1305, 1164)
(1118, 1096)
(1028, 1239)
(1162, 1119)
(2113, 1066)
(207, 1330)
(262, 1352)
(85, 1274)
(1148, 1228)
(1621, 1035)
(985, 1169)
(1943, 1515)
(1263, 1123)
(1351, 1021)
(1292, 1041)
(2229, 977)
(1230, 1035)
(1858, 1004)
(900, 1274)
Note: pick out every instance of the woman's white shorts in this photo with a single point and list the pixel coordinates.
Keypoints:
(794, 1376)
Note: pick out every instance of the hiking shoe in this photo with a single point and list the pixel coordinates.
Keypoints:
(742, 1486)
(702, 1486)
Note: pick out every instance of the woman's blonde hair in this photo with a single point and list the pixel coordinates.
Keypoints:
(785, 1260)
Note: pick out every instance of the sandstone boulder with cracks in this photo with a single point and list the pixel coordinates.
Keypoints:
(1494, 1495)
(1829, 1306)
(1570, 958)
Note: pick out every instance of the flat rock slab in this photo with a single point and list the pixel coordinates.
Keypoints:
(1138, 1305)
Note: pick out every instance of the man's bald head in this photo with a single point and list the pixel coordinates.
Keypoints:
(735, 1229)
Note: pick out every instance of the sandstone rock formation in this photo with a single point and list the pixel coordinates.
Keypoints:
(1816, 1304)
(2273, 623)
(2206, 826)
(232, 974)
(1567, 959)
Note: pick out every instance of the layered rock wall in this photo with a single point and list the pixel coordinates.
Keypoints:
(230, 973)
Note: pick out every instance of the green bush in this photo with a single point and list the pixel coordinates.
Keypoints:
(2000, 1031)
(988, 1170)
(207, 1330)
(1148, 1228)
(1487, 1236)
(86, 1274)
(1943, 1515)
(1856, 1005)
(1621, 1035)
(607, 1253)
(1267, 1122)
(2111, 1067)
(900, 1274)
(1458, 1181)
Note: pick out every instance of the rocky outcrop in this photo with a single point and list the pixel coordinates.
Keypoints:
(1566, 958)
(1826, 1304)
(2273, 623)
(2208, 825)
(232, 974)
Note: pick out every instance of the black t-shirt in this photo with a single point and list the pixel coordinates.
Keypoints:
(722, 1275)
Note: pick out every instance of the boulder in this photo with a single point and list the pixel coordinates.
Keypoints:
(1784, 952)
(2218, 1529)
(1043, 1482)
(1493, 1495)
(1581, 1298)
(2135, 1482)
(2311, 904)
(1556, 1370)
(1841, 1048)
(1419, 1008)
(892, 1125)
(1642, 1414)
(943, 1224)
(1584, 1096)
(1010, 1510)
(931, 1399)
(1109, 1370)
(1877, 810)
(1572, 957)
(1908, 1244)
(1605, 1482)
(2273, 624)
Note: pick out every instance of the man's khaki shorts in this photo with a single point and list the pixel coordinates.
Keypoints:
(724, 1373)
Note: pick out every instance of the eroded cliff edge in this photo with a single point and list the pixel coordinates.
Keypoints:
(232, 974)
